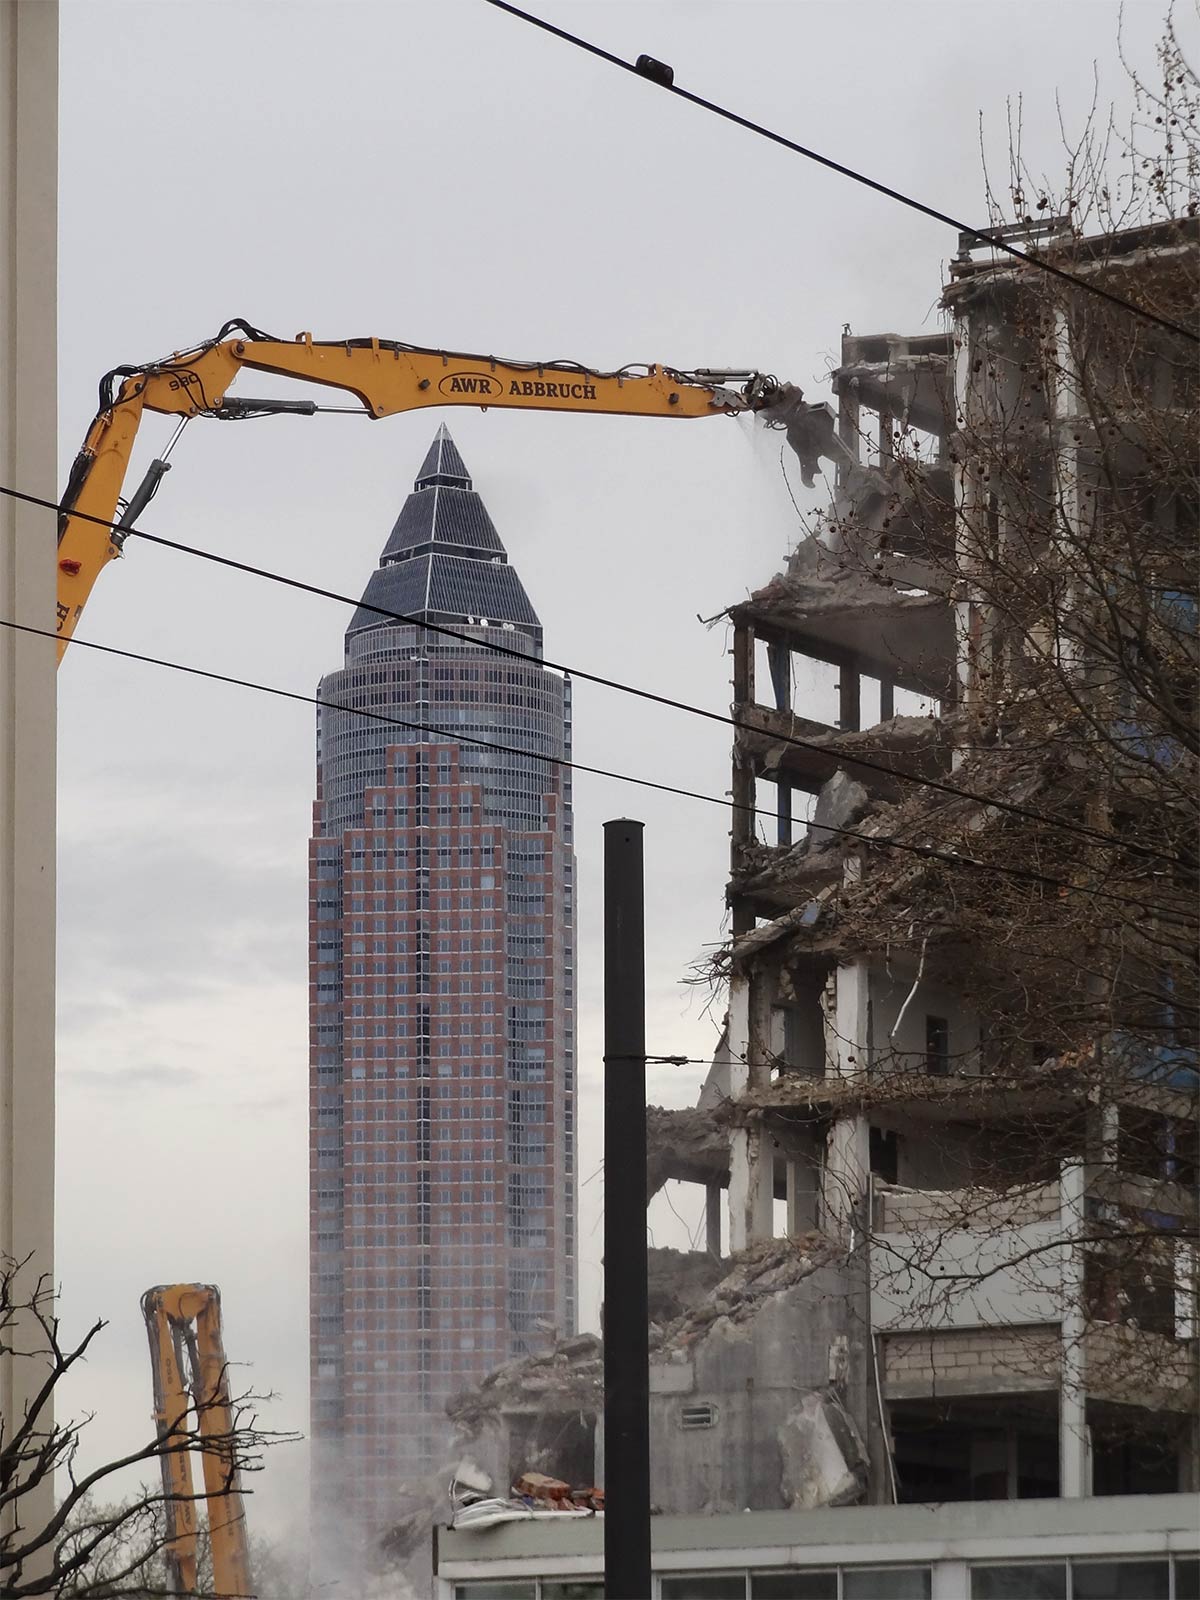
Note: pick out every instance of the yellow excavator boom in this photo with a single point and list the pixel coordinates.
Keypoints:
(191, 1394)
(384, 377)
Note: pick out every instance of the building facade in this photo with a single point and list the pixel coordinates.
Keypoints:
(1135, 1548)
(954, 1112)
(983, 1091)
(442, 1016)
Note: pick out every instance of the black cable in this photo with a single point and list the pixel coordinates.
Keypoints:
(665, 1061)
(451, 736)
(980, 236)
(842, 756)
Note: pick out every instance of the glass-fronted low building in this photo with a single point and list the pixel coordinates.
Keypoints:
(1129, 1547)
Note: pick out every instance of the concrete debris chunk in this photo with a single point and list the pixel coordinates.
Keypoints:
(469, 1478)
(541, 1489)
(684, 1144)
(823, 1459)
(580, 1348)
(840, 804)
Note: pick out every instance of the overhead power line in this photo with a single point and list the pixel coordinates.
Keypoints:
(849, 757)
(456, 736)
(656, 72)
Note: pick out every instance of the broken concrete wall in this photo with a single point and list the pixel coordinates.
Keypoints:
(538, 1414)
(736, 1347)
(724, 1383)
(541, 1414)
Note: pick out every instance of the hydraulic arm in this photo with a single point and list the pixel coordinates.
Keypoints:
(383, 376)
(191, 1395)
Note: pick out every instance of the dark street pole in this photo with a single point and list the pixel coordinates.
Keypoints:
(626, 1309)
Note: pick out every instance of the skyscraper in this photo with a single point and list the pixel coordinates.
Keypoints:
(442, 1009)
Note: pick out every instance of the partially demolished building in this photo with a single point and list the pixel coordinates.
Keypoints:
(952, 1122)
(935, 1057)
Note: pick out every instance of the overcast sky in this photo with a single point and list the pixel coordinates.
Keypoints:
(438, 173)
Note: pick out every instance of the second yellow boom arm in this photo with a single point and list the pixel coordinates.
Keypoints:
(191, 1398)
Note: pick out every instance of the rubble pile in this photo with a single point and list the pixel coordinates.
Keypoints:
(751, 1277)
(817, 578)
(878, 911)
(680, 1279)
(895, 523)
(570, 1377)
(1043, 1095)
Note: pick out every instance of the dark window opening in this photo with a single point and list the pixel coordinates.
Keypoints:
(1121, 1580)
(885, 1155)
(1139, 1289)
(794, 1585)
(1036, 1580)
(1132, 1453)
(937, 1045)
(951, 1452)
(1159, 1147)
(705, 1586)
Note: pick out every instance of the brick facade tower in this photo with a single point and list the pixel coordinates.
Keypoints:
(441, 998)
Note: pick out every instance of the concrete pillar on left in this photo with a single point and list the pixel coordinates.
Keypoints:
(28, 433)
(848, 1056)
(751, 1150)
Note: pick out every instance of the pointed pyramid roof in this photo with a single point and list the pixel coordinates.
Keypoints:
(443, 510)
(443, 464)
(444, 559)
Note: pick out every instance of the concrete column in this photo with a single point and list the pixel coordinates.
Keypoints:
(743, 787)
(794, 1192)
(779, 658)
(751, 1188)
(966, 501)
(849, 699)
(968, 621)
(28, 461)
(712, 1220)
(951, 1580)
(887, 449)
(1071, 474)
(1073, 1442)
(1189, 1456)
(848, 425)
(751, 1154)
(1186, 1324)
(847, 1149)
